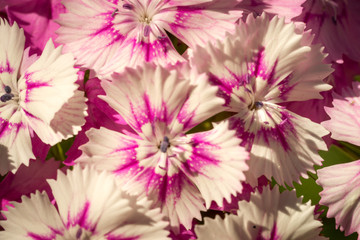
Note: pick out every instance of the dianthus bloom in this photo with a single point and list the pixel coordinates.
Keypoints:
(109, 35)
(341, 184)
(38, 94)
(89, 206)
(344, 124)
(263, 64)
(335, 25)
(180, 172)
(36, 17)
(268, 215)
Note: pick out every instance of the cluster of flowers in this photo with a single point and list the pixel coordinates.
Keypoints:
(160, 137)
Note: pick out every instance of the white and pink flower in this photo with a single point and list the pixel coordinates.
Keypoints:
(108, 36)
(89, 206)
(180, 172)
(266, 63)
(38, 94)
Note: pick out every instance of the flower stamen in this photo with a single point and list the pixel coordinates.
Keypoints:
(8, 95)
(164, 145)
(114, 12)
(128, 6)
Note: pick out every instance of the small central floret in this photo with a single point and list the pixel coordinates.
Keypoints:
(258, 105)
(8, 95)
(164, 145)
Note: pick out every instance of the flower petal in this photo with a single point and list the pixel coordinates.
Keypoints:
(216, 164)
(106, 37)
(66, 123)
(196, 25)
(48, 83)
(11, 49)
(279, 63)
(146, 96)
(34, 217)
(101, 207)
(341, 184)
(268, 215)
(283, 145)
(344, 124)
(15, 143)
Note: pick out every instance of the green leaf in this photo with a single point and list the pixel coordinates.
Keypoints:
(329, 230)
(178, 45)
(336, 155)
(308, 189)
(353, 150)
(357, 78)
(58, 151)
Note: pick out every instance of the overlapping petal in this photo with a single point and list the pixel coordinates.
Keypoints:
(147, 97)
(341, 184)
(180, 173)
(283, 144)
(332, 24)
(279, 64)
(90, 204)
(267, 62)
(268, 215)
(35, 96)
(108, 36)
(344, 124)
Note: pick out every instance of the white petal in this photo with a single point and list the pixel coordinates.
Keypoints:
(11, 49)
(15, 143)
(66, 123)
(216, 164)
(152, 94)
(268, 215)
(48, 83)
(94, 201)
(34, 217)
(283, 144)
(344, 124)
(341, 184)
(270, 56)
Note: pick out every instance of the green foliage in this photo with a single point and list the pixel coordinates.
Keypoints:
(58, 151)
(178, 45)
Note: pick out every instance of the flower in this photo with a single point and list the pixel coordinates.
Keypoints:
(89, 205)
(344, 124)
(341, 184)
(112, 35)
(180, 172)
(263, 64)
(332, 22)
(36, 17)
(268, 215)
(38, 94)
